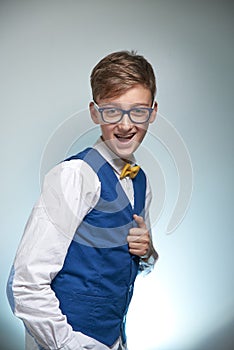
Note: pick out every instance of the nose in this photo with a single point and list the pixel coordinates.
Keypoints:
(126, 122)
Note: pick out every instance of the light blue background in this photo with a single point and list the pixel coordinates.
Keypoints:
(48, 49)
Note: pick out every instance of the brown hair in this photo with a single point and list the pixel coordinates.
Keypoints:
(120, 71)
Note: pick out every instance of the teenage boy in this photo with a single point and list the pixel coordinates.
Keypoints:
(89, 234)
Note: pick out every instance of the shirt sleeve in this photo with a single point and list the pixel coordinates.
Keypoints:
(70, 191)
(147, 263)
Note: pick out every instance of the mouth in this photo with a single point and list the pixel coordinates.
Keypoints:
(125, 138)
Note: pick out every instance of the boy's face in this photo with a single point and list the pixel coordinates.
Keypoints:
(124, 137)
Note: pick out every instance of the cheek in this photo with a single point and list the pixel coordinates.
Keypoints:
(107, 131)
(141, 133)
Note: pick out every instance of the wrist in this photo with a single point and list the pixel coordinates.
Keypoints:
(146, 256)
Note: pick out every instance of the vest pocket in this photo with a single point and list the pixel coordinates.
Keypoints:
(92, 312)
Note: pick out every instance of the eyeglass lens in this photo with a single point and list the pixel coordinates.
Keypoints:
(114, 115)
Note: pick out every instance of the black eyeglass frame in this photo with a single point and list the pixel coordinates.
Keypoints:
(123, 111)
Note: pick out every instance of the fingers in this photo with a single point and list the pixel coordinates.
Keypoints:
(139, 220)
(139, 248)
(141, 229)
(138, 237)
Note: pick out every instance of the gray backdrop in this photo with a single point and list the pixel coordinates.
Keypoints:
(48, 49)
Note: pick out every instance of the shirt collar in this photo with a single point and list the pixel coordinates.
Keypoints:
(112, 158)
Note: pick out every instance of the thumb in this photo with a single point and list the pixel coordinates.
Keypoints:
(139, 220)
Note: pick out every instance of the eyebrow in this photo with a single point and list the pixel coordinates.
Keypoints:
(118, 105)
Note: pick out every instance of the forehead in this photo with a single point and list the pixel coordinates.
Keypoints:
(137, 95)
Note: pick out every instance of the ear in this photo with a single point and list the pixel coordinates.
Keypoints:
(154, 113)
(94, 113)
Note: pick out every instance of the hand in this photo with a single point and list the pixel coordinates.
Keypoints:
(139, 238)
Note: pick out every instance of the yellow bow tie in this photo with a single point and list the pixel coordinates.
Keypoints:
(129, 171)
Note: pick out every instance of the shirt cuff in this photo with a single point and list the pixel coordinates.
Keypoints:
(146, 264)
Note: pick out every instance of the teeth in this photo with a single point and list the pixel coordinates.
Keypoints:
(124, 136)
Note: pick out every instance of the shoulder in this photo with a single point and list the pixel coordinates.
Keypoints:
(148, 188)
(72, 173)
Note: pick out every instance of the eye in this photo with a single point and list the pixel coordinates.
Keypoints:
(139, 112)
(110, 112)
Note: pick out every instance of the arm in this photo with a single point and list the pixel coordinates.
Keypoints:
(140, 237)
(66, 198)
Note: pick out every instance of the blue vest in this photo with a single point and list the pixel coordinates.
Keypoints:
(95, 285)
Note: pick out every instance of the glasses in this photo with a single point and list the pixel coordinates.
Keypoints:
(113, 115)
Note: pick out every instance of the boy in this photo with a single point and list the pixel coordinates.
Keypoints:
(89, 234)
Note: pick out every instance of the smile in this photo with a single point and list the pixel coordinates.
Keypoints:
(124, 138)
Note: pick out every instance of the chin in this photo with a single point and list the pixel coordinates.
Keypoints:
(123, 150)
(123, 155)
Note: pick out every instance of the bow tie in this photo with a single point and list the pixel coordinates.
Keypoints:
(129, 171)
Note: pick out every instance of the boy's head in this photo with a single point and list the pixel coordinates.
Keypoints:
(120, 71)
(124, 88)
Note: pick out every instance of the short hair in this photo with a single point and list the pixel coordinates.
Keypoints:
(118, 72)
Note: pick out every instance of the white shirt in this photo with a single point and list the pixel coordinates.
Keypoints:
(70, 190)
